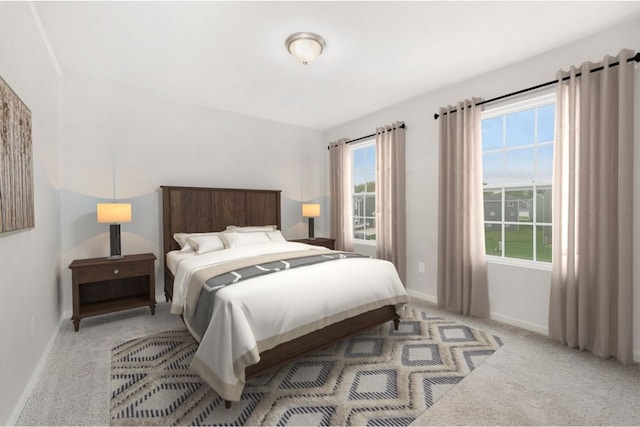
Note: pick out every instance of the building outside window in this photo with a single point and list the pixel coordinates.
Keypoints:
(517, 161)
(363, 188)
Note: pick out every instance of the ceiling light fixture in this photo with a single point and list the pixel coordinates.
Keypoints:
(305, 47)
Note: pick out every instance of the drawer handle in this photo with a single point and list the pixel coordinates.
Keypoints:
(116, 271)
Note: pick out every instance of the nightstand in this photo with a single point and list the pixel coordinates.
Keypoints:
(318, 241)
(102, 285)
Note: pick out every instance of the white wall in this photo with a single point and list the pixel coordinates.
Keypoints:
(517, 295)
(149, 140)
(29, 272)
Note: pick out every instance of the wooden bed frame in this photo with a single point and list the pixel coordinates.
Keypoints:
(200, 209)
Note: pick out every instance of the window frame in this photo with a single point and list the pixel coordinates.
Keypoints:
(540, 99)
(353, 148)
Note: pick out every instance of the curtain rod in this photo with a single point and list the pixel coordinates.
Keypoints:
(402, 126)
(613, 64)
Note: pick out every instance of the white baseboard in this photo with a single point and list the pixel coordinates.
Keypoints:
(26, 393)
(533, 327)
(536, 328)
(422, 296)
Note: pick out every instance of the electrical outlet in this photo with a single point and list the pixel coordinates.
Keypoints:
(421, 267)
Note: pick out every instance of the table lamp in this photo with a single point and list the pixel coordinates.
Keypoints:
(114, 214)
(311, 211)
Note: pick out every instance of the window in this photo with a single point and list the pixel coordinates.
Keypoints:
(517, 162)
(363, 192)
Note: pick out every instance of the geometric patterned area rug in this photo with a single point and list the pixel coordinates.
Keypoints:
(379, 377)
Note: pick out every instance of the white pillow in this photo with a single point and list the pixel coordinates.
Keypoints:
(203, 244)
(181, 238)
(237, 240)
(276, 236)
(251, 228)
(187, 248)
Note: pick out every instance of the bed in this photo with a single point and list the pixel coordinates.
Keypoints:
(202, 210)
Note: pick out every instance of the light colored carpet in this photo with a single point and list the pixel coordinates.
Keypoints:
(531, 380)
(379, 377)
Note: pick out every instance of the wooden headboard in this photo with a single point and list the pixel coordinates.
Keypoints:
(199, 209)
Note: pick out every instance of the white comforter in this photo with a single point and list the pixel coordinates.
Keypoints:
(257, 314)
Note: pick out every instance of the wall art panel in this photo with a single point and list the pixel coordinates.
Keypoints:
(16, 162)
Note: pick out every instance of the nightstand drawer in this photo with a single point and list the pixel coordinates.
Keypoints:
(120, 270)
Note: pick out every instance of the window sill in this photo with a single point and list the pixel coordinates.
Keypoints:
(523, 263)
(364, 242)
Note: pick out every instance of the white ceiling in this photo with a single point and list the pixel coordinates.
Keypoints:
(231, 55)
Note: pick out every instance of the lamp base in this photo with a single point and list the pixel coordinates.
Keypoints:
(114, 241)
(311, 229)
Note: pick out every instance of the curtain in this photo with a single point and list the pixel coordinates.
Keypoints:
(391, 242)
(339, 167)
(591, 290)
(462, 268)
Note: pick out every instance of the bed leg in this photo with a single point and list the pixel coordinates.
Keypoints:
(396, 323)
(227, 404)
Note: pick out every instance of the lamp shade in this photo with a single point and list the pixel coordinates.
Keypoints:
(310, 210)
(113, 213)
